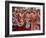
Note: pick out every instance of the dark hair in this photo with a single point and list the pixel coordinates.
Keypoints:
(13, 9)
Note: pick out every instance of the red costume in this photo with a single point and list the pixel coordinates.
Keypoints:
(19, 28)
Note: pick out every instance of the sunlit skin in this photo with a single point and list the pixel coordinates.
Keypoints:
(33, 18)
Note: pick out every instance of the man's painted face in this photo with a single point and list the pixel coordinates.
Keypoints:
(21, 23)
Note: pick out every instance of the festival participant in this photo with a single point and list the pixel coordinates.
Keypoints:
(28, 25)
(20, 23)
(33, 17)
(37, 22)
(19, 26)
